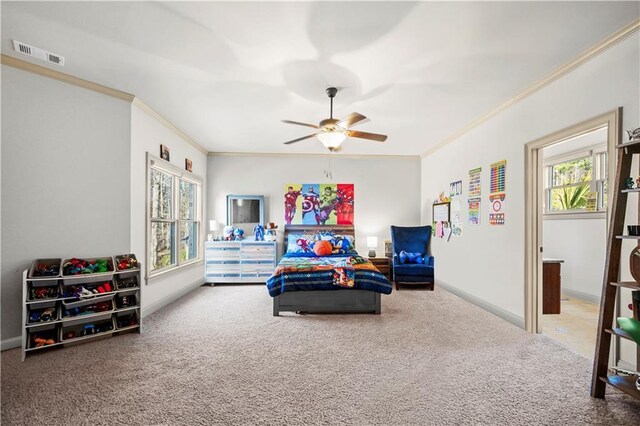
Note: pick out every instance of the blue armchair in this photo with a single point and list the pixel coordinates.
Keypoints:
(412, 239)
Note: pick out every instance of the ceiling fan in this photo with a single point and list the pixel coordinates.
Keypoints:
(332, 132)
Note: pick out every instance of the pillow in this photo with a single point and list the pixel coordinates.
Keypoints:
(343, 244)
(301, 243)
(406, 257)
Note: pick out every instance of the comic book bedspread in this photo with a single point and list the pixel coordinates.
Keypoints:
(295, 273)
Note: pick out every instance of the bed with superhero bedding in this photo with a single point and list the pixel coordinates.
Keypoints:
(321, 272)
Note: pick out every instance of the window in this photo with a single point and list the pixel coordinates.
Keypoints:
(174, 217)
(577, 183)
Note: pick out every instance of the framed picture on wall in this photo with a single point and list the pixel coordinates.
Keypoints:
(188, 165)
(388, 248)
(164, 153)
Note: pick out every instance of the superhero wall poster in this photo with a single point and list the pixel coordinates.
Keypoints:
(318, 204)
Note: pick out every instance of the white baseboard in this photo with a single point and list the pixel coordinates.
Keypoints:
(581, 296)
(148, 310)
(499, 312)
(13, 342)
(16, 342)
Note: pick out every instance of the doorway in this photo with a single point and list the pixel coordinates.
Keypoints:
(561, 193)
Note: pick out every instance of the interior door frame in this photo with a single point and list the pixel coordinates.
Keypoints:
(533, 204)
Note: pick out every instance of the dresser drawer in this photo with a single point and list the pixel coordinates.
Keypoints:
(215, 253)
(223, 278)
(253, 268)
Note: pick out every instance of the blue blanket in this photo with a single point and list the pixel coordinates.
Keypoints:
(301, 273)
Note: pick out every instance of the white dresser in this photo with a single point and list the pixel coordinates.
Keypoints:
(243, 261)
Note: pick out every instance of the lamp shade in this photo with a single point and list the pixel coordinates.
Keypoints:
(372, 242)
(332, 139)
(213, 225)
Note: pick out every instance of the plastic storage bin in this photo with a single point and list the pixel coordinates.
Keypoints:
(77, 330)
(35, 313)
(126, 262)
(67, 273)
(43, 290)
(45, 268)
(43, 336)
(127, 282)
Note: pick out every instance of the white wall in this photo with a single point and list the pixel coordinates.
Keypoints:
(65, 178)
(147, 134)
(493, 256)
(387, 190)
(582, 244)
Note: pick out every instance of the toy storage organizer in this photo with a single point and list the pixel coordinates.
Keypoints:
(56, 314)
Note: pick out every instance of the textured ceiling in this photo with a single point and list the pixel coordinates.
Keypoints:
(227, 73)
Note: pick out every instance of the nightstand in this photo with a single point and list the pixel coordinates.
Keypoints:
(383, 264)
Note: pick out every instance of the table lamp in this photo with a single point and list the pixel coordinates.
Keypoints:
(213, 227)
(372, 244)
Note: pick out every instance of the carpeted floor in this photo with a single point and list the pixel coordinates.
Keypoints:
(217, 356)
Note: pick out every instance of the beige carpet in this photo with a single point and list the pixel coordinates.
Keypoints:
(217, 356)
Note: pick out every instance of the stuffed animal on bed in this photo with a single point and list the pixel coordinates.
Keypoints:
(303, 243)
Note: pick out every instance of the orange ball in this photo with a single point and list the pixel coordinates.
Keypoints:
(322, 248)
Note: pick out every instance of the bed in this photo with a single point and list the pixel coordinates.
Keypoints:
(307, 283)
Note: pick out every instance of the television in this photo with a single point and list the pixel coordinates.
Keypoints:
(245, 211)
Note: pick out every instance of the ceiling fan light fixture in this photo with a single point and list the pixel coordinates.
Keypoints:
(332, 139)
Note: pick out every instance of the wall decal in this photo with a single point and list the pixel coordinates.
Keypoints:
(475, 182)
(498, 193)
(474, 210)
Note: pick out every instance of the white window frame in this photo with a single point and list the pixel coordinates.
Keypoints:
(177, 175)
(598, 178)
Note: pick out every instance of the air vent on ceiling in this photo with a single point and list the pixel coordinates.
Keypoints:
(38, 53)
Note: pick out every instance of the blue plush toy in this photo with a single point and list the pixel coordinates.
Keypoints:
(406, 257)
(258, 230)
(238, 233)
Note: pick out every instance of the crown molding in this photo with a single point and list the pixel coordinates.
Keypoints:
(99, 88)
(559, 72)
(67, 78)
(292, 154)
(154, 114)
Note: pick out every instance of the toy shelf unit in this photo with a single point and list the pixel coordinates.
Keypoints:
(64, 306)
(608, 303)
(241, 261)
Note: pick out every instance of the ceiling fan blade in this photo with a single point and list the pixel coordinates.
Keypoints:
(300, 139)
(367, 135)
(352, 119)
(300, 124)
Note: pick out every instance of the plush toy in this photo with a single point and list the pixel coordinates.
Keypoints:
(127, 262)
(271, 233)
(47, 314)
(227, 233)
(303, 243)
(322, 248)
(41, 341)
(406, 257)
(238, 234)
(43, 270)
(628, 183)
(258, 231)
(80, 266)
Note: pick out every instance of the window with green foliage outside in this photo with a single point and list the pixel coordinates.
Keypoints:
(174, 218)
(577, 184)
